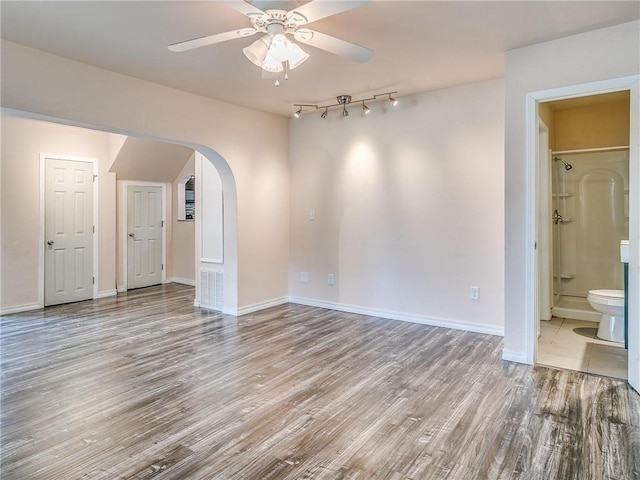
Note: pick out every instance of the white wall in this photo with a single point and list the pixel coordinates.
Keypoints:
(409, 208)
(253, 166)
(594, 56)
(23, 141)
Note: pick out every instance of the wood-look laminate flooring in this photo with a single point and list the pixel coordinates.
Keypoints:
(145, 386)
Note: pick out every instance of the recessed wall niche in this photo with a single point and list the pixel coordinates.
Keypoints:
(187, 199)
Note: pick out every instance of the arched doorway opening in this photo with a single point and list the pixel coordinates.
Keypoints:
(228, 188)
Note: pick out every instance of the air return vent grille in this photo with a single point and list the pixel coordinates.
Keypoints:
(211, 284)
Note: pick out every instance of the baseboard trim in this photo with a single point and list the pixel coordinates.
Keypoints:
(404, 317)
(181, 281)
(247, 309)
(424, 320)
(121, 288)
(256, 307)
(20, 308)
(576, 314)
(511, 356)
(107, 293)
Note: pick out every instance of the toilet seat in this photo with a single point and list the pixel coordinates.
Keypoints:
(608, 297)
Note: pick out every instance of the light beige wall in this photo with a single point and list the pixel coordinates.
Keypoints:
(408, 208)
(580, 59)
(593, 126)
(182, 253)
(23, 141)
(248, 148)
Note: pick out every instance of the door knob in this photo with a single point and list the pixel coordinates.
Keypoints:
(50, 243)
(132, 235)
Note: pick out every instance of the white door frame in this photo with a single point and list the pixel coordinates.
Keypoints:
(122, 191)
(533, 98)
(41, 229)
(545, 244)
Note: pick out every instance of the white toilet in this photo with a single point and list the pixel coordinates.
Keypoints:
(610, 303)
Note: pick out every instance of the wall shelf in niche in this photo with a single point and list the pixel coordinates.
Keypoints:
(567, 276)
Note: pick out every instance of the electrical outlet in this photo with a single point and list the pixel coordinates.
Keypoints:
(331, 279)
(304, 277)
(474, 293)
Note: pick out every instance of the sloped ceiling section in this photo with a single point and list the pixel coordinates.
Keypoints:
(151, 161)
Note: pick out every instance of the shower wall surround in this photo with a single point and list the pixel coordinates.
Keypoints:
(592, 199)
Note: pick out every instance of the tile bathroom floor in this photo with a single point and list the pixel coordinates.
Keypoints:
(573, 345)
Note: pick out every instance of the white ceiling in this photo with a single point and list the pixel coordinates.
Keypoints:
(419, 45)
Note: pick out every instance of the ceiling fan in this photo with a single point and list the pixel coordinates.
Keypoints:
(274, 52)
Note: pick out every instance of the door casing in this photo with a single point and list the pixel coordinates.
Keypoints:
(533, 98)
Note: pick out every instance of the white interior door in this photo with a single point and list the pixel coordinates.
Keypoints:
(144, 236)
(68, 231)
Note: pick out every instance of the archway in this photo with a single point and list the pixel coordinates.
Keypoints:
(230, 225)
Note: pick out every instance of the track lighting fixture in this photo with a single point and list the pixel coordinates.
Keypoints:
(343, 101)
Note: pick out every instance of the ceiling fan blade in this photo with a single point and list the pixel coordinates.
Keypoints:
(244, 8)
(317, 9)
(333, 45)
(211, 39)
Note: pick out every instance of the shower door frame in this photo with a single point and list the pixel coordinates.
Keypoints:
(631, 84)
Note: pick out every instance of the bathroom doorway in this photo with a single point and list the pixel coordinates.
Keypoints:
(583, 214)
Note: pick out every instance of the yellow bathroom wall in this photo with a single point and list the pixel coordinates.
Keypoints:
(547, 116)
(596, 125)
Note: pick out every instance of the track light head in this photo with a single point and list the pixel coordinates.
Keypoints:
(393, 101)
(345, 112)
(298, 113)
(324, 114)
(365, 109)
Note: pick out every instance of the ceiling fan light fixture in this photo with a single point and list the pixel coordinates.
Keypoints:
(271, 51)
(274, 51)
(271, 64)
(296, 56)
(279, 48)
(257, 51)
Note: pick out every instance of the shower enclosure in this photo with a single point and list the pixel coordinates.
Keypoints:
(590, 205)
